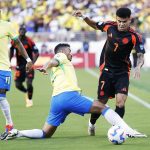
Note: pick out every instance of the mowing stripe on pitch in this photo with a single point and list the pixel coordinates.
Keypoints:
(132, 96)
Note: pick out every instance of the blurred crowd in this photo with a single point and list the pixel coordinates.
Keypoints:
(53, 16)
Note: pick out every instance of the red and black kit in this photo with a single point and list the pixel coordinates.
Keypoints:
(115, 61)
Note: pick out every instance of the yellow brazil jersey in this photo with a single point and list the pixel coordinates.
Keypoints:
(63, 77)
(7, 32)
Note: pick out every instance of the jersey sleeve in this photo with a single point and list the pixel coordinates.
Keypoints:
(104, 26)
(32, 45)
(61, 58)
(139, 45)
(12, 32)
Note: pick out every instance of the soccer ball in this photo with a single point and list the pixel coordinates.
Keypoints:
(116, 135)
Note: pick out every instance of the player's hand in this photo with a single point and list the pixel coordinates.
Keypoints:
(43, 70)
(78, 13)
(29, 66)
(136, 73)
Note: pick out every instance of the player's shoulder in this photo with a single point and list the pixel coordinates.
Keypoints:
(135, 33)
(113, 23)
(30, 40)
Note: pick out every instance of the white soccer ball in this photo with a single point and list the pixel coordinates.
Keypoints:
(116, 135)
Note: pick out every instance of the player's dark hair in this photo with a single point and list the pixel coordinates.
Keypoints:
(23, 27)
(123, 12)
(60, 46)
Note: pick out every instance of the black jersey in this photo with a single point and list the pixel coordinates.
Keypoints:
(30, 47)
(115, 55)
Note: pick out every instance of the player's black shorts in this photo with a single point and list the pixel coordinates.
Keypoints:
(21, 75)
(111, 84)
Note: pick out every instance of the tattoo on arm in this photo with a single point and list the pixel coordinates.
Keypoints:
(140, 59)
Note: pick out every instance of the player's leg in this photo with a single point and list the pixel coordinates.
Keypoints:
(19, 79)
(103, 92)
(46, 132)
(55, 117)
(5, 80)
(81, 104)
(19, 85)
(120, 104)
(114, 119)
(121, 87)
(29, 80)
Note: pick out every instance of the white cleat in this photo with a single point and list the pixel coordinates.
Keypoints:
(91, 129)
(136, 134)
(29, 103)
(12, 134)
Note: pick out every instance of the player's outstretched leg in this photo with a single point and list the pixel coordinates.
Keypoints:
(114, 119)
(46, 132)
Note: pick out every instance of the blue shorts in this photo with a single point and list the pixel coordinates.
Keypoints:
(66, 103)
(5, 80)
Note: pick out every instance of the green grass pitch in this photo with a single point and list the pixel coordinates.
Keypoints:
(72, 135)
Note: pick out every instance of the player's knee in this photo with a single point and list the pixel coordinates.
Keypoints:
(120, 103)
(120, 100)
(97, 107)
(18, 85)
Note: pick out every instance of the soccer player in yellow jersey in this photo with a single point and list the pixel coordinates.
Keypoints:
(67, 98)
(7, 32)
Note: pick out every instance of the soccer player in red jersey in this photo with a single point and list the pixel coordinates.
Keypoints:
(115, 63)
(21, 75)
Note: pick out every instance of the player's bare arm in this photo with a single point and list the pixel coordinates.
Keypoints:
(51, 63)
(36, 55)
(140, 62)
(140, 59)
(89, 21)
(24, 54)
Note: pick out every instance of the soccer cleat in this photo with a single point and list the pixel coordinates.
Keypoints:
(12, 134)
(29, 103)
(136, 134)
(3, 135)
(91, 129)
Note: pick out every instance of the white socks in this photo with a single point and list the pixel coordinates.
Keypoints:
(34, 133)
(114, 119)
(4, 105)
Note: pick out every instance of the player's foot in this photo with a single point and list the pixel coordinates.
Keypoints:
(29, 103)
(91, 129)
(4, 135)
(12, 134)
(136, 134)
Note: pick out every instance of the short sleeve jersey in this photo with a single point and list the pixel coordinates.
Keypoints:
(118, 46)
(63, 77)
(7, 32)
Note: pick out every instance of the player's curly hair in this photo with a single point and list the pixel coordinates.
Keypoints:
(60, 46)
(123, 12)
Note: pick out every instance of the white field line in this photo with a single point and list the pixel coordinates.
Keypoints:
(132, 96)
